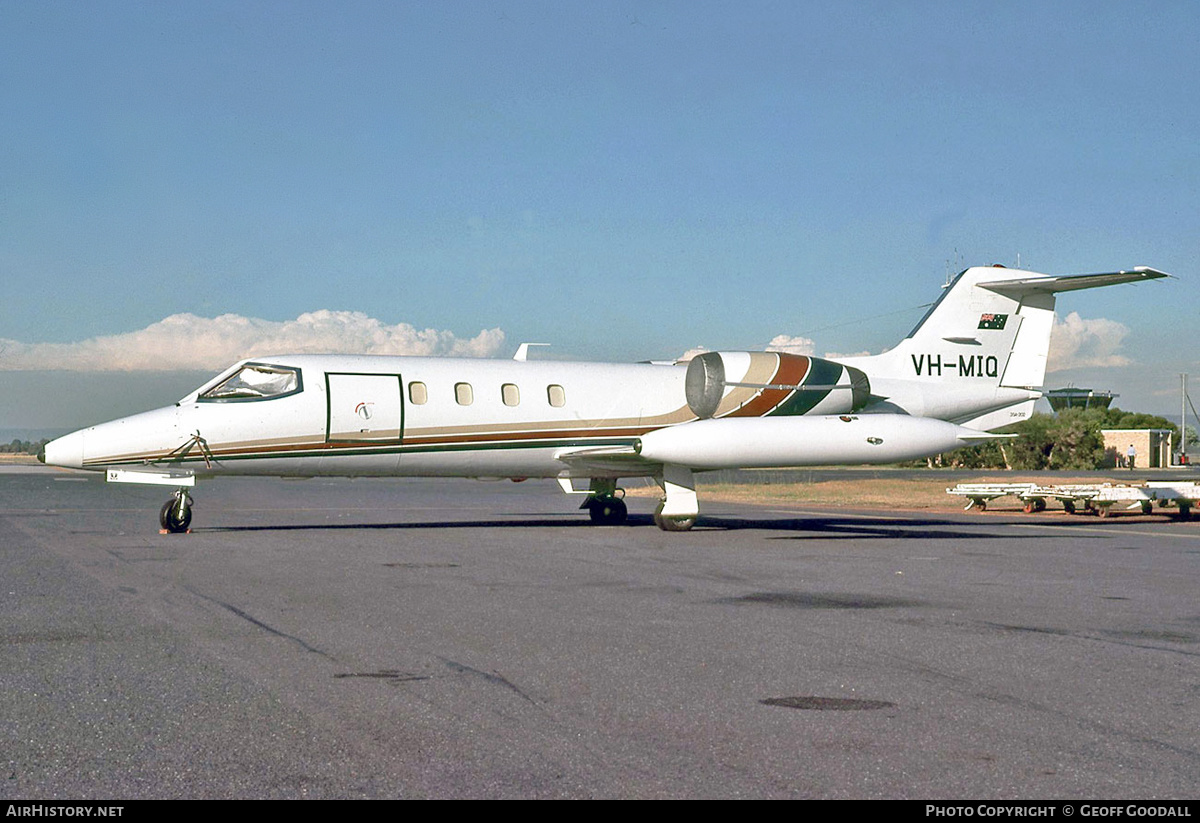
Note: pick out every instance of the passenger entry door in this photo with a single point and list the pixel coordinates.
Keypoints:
(364, 408)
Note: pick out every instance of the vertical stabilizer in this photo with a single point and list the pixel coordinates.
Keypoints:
(978, 356)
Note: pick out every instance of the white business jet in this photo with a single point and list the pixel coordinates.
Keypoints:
(975, 362)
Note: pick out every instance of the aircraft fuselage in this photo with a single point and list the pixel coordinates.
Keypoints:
(974, 363)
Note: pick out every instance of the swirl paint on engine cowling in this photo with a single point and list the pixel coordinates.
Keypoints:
(760, 384)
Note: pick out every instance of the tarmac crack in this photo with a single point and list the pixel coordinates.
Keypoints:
(489, 677)
(1116, 638)
(965, 685)
(391, 675)
(260, 624)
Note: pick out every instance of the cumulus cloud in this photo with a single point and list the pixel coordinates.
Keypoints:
(1079, 343)
(791, 344)
(185, 341)
(786, 343)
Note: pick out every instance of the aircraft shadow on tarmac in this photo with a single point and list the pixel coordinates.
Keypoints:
(813, 528)
(866, 528)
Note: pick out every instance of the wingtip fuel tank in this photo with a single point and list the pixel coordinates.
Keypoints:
(765, 442)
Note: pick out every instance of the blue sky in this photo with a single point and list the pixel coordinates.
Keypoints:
(625, 180)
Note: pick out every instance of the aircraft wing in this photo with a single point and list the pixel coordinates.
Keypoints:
(609, 460)
(1071, 282)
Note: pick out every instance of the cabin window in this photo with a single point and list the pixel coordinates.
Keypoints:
(510, 394)
(463, 394)
(418, 395)
(557, 395)
(255, 381)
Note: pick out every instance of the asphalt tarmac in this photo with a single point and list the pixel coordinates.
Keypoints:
(444, 638)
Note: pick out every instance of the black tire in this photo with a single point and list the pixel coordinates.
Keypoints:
(170, 520)
(674, 524)
(608, 511)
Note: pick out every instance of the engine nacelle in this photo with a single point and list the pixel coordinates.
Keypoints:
(758, 384)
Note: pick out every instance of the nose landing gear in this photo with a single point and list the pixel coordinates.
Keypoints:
(175, 516)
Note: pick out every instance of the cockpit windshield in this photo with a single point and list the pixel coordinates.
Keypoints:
(255, 381)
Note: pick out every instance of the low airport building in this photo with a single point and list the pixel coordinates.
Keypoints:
(1152, 447)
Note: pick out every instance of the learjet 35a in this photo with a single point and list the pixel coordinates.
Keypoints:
(975, 362)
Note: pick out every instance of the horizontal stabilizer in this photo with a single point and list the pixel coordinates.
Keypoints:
(1053, 284)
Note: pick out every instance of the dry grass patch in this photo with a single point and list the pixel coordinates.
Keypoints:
(9, 457)
(870, 493)
(920, 493)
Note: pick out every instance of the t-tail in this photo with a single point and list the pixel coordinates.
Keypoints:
(978, 356)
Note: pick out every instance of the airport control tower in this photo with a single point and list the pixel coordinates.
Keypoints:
(1073, 398)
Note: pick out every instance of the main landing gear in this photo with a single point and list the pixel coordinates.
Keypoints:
(176, 514)
(604, 503)
(679, 508)
(675, 523)
(607, 511)
(676, 512)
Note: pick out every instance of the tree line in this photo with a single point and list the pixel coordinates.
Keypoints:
(1068, 440)
(23, 446)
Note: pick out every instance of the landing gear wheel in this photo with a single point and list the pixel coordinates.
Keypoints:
(1147, 507)
(172, 519)
(608, 511)
(674, 524)
(1069, 506)
(1185, 512)
(1104, 511)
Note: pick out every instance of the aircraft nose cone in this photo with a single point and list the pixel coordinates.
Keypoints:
(66, 451)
